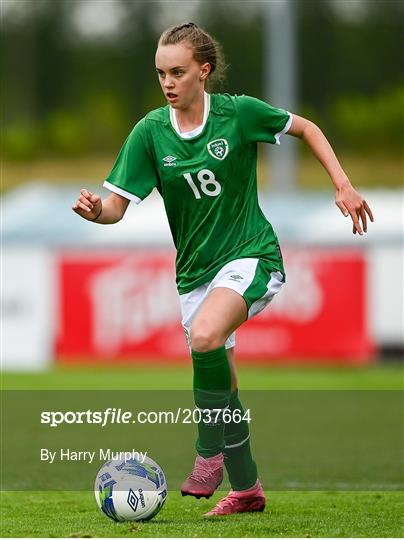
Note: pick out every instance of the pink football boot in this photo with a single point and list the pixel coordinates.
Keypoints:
(249, 500)
(206, 476)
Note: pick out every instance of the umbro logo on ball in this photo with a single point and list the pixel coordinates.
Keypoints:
(132, 500)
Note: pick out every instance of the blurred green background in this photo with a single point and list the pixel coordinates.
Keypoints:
(76, 79)
(76, 76)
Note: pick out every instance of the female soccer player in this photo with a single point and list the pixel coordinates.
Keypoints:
(200, 152)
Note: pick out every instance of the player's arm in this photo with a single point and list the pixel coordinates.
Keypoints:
(348, 200)
(90, 206)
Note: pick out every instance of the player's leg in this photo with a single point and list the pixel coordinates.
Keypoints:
(221, 312)
(246, 494)
(241, 288)
(241, 467)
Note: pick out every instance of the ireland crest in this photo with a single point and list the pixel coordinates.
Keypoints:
(218, 148)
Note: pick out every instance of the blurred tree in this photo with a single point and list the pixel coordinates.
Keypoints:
(346, 51)
(78, 74)
(374, 123)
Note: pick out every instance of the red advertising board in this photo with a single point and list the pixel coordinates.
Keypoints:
(124, 305)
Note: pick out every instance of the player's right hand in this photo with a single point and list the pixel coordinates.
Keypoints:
(88, 205)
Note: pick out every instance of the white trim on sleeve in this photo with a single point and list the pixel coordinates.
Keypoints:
(122, 192)
(285, 129)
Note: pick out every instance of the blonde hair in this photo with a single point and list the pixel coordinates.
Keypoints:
(205, 47)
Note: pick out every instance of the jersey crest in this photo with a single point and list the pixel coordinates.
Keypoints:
(218, 148)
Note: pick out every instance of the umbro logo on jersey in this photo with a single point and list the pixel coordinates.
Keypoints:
(218, 148)
(236, 277)
(169, 161)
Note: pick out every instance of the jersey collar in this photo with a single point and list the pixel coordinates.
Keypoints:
(199, 129)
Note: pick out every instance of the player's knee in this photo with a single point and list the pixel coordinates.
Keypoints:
(205, 338)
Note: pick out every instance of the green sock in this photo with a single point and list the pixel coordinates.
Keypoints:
(241, 467)
(212, 383)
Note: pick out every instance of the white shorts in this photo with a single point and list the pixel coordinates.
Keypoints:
(253, 279)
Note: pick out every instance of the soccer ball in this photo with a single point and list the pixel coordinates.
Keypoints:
(130, 490)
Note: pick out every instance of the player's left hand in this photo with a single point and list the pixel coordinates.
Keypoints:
(351, 203)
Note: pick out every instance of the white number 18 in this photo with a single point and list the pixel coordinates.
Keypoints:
(206, 178)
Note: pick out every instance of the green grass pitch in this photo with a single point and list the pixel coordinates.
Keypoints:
(179, 377)
(288, 513)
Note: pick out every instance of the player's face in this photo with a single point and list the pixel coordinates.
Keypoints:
(181, 77)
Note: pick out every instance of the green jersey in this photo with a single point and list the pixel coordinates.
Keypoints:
(208, 181)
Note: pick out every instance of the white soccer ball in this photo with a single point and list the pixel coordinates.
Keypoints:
(130, 490)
